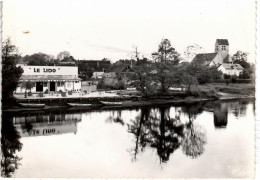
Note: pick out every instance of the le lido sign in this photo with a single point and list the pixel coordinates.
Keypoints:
(46, 70)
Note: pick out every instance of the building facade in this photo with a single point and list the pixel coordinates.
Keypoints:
(38, 79)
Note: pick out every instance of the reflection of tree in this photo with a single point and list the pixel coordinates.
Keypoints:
(139, 130)
(10, 144)
(116, 117)
(156, 129)
(194, 137)
(194, 140)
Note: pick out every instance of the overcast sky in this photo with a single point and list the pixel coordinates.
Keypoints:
(110, 28)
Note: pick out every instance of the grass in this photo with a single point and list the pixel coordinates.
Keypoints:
(239, 89)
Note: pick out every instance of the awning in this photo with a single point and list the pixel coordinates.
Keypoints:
(48, 78)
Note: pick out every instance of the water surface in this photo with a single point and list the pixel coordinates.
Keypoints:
(203, 140)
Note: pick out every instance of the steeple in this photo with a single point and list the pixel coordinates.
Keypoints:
(222, 47)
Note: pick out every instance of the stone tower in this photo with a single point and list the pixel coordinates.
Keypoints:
(222, 47)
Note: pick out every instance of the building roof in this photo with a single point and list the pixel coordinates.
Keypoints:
(232, 66)
(119, 68)
(204, 58)
(46, 78)
(222, 41)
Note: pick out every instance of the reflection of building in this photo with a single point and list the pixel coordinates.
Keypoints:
(51, 78)
(46, 124)
(220, 115)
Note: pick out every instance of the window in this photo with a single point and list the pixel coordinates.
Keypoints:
(45, 84)
(58, 84)
(223, 47)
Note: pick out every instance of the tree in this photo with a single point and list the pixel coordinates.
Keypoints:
(240, 57)
(166, 53)
(165, 66)
(38, 59)
(10, 73)
(10, 144)
(63, 55)
(191, 51)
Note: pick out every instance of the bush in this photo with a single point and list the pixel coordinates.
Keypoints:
(41, 94)
(63, 94)
(46, 91)
(69, 92)
(29, 93)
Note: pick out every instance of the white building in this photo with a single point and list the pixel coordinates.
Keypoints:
(231, 69)
(51, 78)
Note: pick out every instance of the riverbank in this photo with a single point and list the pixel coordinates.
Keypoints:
(132, 102)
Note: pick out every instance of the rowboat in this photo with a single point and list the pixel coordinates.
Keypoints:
(78, 105)
(111, 103)
(32, 105)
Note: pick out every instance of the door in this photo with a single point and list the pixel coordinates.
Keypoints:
(39, 86)
(52, 86)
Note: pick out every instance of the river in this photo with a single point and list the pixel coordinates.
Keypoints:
(202, 140)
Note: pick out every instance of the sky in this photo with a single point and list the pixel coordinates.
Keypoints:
(112, 28)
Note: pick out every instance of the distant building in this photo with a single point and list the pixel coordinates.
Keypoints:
(122, 70)
(68, 61)
(231, 69)
(99, 67)
(219, 58)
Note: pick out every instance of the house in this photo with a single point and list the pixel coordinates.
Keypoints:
(231, 69)
(119, 70)
(68, 61)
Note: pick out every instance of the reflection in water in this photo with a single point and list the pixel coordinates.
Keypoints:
(10, 144)
(162, 129)
(30, 124)
(156, 129)
(220, 115)
(194, 140)
(39, 124)
(116, 117)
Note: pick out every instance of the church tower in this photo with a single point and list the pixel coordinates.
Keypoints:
(222, 47)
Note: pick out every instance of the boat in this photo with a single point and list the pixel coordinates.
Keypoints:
(33, 105)
(78, 105)
(111, 103)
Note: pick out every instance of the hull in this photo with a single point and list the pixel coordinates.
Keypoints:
(78, 105)
(111, 103)
(32, 105)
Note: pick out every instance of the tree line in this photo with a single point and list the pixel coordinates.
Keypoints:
(156, 76)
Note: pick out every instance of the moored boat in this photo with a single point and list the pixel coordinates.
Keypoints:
(78, 105)
(33, 105)
(111, 103)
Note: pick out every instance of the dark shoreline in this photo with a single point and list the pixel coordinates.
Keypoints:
(131, 104)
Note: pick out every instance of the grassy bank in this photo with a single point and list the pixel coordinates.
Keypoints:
(235, 89)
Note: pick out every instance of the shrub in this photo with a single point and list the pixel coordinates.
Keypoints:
(63, 94)
(41, 94)
(46, 91)
(69, 92)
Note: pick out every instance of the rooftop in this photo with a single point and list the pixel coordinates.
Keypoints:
(222, 41)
